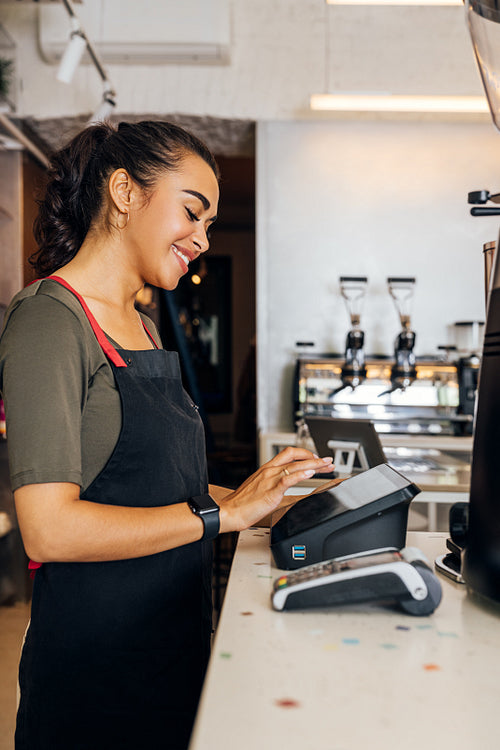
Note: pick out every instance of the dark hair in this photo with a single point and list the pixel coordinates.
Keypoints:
(79, 172)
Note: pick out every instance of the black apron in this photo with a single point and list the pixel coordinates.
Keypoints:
(116, 652)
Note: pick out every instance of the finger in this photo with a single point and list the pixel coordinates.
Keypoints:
(317, 464)
(291, 454)
(329, 467)
(296, 472)
(290, 478)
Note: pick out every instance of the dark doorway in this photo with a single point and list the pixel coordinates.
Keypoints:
(214, 310)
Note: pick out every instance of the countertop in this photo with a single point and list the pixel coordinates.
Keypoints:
(348, 678)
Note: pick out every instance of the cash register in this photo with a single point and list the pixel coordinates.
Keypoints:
(346, 544)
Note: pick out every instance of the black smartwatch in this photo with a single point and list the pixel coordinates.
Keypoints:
(207, 509)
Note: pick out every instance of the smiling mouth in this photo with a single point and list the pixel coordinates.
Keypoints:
(181, 255)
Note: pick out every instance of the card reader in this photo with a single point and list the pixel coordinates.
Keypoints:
(401, 577)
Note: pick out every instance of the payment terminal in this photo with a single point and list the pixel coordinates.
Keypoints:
(368, 511)
(390, 576)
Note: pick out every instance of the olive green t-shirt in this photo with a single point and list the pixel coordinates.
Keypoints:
(62, 405)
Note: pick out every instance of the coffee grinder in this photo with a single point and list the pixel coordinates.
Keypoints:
(403, 371)
(353, 289)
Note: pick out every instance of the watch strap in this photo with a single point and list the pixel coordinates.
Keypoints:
(205, 507)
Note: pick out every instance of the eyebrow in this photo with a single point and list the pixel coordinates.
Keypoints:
(205, 202)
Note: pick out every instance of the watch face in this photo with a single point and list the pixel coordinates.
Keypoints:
(204, 504)
(207, 509)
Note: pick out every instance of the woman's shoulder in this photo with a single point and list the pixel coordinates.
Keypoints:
(44, 296)
(46, 310)
(45, 316)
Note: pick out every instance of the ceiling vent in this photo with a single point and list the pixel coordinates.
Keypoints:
(143, 32)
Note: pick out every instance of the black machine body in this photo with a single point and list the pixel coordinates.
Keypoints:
(353, 369)
(450, 564)
(478, 533)
(481, 556)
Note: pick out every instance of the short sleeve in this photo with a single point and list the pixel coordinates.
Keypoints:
(45, 371)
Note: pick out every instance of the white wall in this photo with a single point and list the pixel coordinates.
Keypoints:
(281, 52)
(365, 198)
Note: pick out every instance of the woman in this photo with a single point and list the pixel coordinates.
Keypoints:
(107, 451)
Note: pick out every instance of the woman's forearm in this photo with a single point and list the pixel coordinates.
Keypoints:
(57, 526)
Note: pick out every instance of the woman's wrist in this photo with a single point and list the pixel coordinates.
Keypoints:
(225, 519)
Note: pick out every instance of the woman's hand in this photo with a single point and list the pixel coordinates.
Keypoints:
(263, 491)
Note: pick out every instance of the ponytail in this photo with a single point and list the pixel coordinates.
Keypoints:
(64, 214)
(78, 175)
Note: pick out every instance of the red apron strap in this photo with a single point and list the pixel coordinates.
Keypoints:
(33, 567)
(149, 334)
(108, 349)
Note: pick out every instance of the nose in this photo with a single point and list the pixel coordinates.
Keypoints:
(200, 239)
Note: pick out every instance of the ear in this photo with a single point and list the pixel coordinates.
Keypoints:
(122, 190)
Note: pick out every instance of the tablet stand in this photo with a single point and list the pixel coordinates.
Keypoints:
(345, 453)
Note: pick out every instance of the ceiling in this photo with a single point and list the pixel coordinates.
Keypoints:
(225, 137)
(232, 142)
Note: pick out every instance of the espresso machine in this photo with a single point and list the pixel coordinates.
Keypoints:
(403, 394)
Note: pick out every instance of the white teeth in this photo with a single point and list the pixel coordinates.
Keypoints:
(181, 255)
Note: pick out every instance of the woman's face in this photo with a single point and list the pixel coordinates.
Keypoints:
(169, 230)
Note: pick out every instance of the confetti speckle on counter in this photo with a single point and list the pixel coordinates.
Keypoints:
(287, 703)
(388, 646)
(402, 627)
(432, 667)
(350, 641)
(225, 655)
(246, 613)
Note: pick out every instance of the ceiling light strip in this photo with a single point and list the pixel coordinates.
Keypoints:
(398, 103)
(395, 2)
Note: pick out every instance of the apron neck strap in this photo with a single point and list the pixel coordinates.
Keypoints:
(108, 349)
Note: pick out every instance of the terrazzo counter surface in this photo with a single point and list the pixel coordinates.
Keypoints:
(348, 678)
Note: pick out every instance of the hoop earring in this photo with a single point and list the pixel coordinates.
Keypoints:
(120, 225)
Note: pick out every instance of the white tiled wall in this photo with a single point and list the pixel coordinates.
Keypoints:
(281, 52)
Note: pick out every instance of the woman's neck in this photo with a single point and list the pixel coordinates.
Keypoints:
(110, 290)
